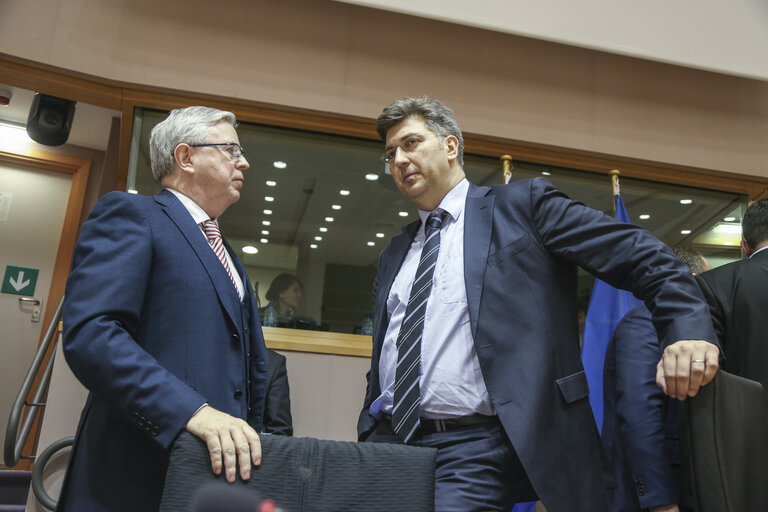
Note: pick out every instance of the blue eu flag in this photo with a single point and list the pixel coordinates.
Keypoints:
(606, 307)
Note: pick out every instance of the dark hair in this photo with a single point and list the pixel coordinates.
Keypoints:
(279, 284)
(754, 224)
(693, 258)
(438, 117)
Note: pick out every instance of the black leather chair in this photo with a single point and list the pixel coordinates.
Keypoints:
(724, 445)
(305, 474)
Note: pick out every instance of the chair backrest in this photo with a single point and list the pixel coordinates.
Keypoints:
(313, 475)
(724, 445)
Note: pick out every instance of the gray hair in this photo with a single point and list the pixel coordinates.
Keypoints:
(189, 125)
(439, 119)
(693, 258)
(754, 224)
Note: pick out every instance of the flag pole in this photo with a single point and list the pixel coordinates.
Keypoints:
(614, 174)
(506, 167)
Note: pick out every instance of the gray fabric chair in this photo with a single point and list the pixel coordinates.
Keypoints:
(305, 474)
(724, 444)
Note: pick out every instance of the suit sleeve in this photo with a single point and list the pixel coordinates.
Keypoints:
(715, 308)
(105, 293)
(625, 256)
(277, 406)
(640, 407)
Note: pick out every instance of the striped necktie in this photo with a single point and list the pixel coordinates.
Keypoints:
(214, 238)
(405, 407)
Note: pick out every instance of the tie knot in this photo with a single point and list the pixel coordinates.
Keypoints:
(211, 229)
(435, 221)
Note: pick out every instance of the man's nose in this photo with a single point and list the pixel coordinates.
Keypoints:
(400, 156)
(242, 164)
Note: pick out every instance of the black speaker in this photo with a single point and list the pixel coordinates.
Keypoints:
(50, 119)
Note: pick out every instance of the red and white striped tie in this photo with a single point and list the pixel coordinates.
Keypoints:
(214, 238)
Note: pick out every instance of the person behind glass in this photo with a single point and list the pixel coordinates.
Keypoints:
(640, 425)
(284, 295)
(160, 324)
(475, 337)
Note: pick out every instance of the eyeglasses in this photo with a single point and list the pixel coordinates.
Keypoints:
(231, 149)
(409, 145)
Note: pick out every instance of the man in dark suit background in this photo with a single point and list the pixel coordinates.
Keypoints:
(737, 294)
(277, 403)
(492, 338)
(640, 426)
(160, 324)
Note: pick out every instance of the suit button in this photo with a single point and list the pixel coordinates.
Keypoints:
(235, 337)
(238, 394)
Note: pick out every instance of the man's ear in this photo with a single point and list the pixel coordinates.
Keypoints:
(746, 248)
(183, 158)
(451, 146)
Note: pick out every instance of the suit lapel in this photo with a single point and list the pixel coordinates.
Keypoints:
(478, 223)
(196, 239)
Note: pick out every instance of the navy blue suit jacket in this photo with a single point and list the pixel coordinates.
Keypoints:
(154, 329)
(640, 426)
(522, 245)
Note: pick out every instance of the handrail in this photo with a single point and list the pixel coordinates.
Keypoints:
(37, 471)
(13, 444)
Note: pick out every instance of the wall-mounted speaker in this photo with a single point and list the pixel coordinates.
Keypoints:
(50, 119)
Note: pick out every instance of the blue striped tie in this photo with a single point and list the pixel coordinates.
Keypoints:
(405, 410)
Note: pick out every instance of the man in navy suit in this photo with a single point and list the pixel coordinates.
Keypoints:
(640, 425)
(501, 388)
(160, 324)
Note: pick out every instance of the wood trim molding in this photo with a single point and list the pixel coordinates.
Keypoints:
(319, 342)
(125, 97)
(79, 169)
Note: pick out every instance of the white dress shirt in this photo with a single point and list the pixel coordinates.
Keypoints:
(199, 216)
(451, 383)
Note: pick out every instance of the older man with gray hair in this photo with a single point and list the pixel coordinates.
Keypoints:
(160, 324)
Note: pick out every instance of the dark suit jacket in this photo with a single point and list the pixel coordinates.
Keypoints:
(154, 329)
(522, 244)
(277, 403)
(640, 425)
(737, 294)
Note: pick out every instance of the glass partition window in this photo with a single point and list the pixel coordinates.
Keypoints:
(322, 207)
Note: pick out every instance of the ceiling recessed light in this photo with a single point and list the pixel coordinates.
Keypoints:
(271, 183)
(344, 192)
(264, 241)
(371, 244)
(329, 219)
(644, 216)
(371, 176)
(379, 235)
(685, 231)
(728, 228)
(728, 243)
(265, 222)
(336, 206)
(686, 201)
(280, 164)
(313, 246)
(264, 232)
(318, 238)
(249, 249)
(402, 214)
(546, 173)
(133, 191)
(730, 219)
(269, 199)
(267, 212)
(323, 229)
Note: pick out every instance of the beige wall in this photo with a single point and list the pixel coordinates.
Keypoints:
(334, 57)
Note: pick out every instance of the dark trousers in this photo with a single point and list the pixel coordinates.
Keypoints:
(477, 469)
